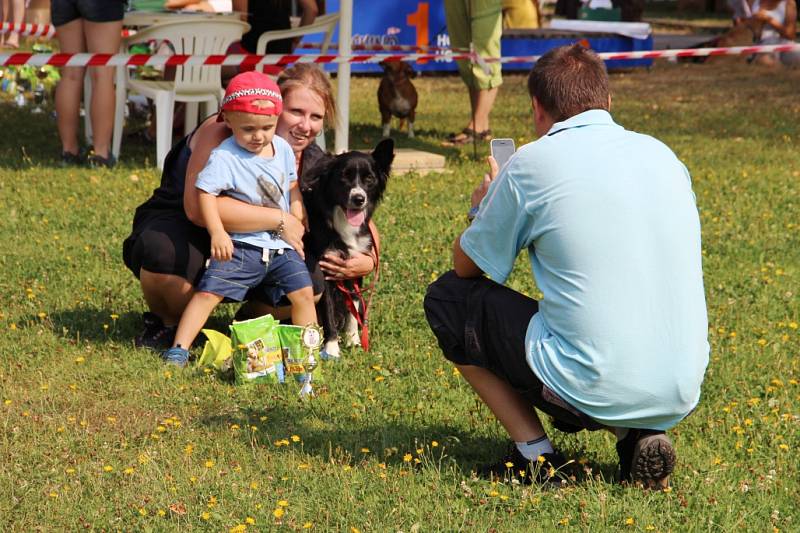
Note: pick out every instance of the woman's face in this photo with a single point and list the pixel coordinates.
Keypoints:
(301, 119)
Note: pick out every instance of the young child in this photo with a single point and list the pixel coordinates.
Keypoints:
(255, 166)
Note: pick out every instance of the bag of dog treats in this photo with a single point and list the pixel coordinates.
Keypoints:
(257, 351)
(300, 353)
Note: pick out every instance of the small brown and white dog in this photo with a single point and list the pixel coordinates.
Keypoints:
(397, 96)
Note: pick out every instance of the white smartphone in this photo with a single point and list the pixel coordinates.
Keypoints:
(502, 150)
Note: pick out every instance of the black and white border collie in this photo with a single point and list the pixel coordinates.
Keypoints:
(340, 195)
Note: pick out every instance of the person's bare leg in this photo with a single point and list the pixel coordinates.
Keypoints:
(70, 89)
(481, 103)
(516, 414)
(303, 310)
(484, 102)
(102, 38)
(194, 317)
(17, 11)
(4, 17)
(166, 295)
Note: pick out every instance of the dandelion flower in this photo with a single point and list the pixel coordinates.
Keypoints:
(250, 520)
(209, 463)
(434, 444)
(407, 458)
(108, 468)
(283, 503)
(364, 450)
(295, 438)
(308, 525)
(629, 521)
(277, 513)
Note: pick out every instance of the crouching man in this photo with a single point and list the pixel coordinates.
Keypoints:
(619, 338)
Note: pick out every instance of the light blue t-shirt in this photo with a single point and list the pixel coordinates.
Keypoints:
(610, 223)
(235, 172)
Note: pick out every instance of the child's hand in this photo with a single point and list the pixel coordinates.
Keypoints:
(221, 247)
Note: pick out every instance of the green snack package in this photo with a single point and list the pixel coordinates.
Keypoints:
(257, 351)
(300, 351)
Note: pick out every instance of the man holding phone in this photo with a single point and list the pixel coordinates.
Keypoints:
(619, 339)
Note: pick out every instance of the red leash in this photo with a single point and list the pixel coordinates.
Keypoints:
(362, 318)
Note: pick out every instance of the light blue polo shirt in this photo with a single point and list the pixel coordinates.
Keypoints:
(610, 223)
(235, 172)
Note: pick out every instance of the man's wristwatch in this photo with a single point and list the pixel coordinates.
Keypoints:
(472, 213)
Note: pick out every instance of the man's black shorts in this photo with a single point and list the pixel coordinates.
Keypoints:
(481, 323)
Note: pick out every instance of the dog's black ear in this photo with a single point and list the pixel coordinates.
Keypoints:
(384, 155)
(382, 64)
(410, 72)
(319, 169)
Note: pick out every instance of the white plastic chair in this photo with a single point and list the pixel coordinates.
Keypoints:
(322, 24)
(193, 85)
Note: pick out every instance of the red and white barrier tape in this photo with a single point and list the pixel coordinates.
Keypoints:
(34, 30)
(115, 60)
(47, 30)
(133, 60)
(40, 30)
(385, 47)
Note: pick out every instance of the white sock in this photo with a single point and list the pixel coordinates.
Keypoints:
(534, 448)
(621, 433)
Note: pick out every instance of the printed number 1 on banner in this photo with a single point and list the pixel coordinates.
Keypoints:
(419, 21)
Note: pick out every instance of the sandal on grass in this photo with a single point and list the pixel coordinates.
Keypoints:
(468, 135)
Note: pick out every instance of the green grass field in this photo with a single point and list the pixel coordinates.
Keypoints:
(97, 435)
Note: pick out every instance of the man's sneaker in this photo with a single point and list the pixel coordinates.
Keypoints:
(513, 465)
(646, 457)
(155, 336)
(176, 356)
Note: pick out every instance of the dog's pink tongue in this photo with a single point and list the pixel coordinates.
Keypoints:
(356, 218)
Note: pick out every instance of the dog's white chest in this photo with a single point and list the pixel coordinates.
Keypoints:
(400, 105)
(350, 235)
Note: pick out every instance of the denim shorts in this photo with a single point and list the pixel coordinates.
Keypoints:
(64, 11)
(284, 272)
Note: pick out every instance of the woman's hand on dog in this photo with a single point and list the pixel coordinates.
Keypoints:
(483, 186)
(293, 231)
(335, 267)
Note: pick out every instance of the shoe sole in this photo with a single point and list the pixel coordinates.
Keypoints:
(653, 461)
